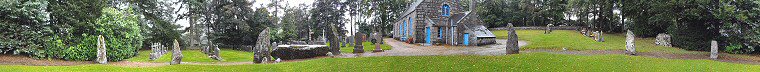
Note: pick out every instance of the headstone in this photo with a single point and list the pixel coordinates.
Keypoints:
(261, 51)
(342, 43)
(663, 40)
(714, 49)
(600, 36)
(213, 52)
(157, 51)
(629, 43)
(512, 41)
(378, 43)
(358, 47)
(102, 57)
(548, 29)
(176, 54)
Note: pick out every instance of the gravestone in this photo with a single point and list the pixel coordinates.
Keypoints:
(512, 41)
(261, 51)
(378, 42)
(600, 36)
(629, 43)
(176, 54)
(358, 47)
(213, 52)
(663, 40)
(342, 43)
(714, 50)
(158, 50)
(548, 29)
(102, 57)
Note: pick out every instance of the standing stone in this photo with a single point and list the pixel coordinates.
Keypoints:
(629, 43)
(261, 51)
(663, 40)
(512, 43)
(378, 42)
(176, 54)
(358, 47)
(714, 50)
(102, 57)
(334, 47)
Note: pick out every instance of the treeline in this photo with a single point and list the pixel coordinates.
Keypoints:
(595, 14)
(693, 23)
(69, 29)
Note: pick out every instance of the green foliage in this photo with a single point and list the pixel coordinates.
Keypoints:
(738, 48)
(498, 13)
(121, 32)
(740, 19)
(23, 27)
(85, 50)
(233, 22)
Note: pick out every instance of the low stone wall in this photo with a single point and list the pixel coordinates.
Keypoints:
(538, 28)
(291, 52)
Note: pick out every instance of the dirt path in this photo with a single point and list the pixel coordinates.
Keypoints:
(8, 59)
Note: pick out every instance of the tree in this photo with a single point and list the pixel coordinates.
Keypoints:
(739, 19)
(233, 22)
(387, 12)
(24, 27)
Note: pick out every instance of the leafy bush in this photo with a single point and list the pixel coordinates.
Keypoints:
(692, 36)
(738, 48)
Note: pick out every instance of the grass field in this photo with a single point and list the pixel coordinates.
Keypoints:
(368, 47)
(517, 62)
(573, 40)
(197, 56)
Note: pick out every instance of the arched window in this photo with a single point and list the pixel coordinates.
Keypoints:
(446, 10)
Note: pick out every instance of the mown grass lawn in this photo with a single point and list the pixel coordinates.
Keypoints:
(517, 62)
(573, 40)
(197, 56)
(368, 47)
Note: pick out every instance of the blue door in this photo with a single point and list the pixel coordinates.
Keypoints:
(466, 39)
(403, 32)
(427, 39)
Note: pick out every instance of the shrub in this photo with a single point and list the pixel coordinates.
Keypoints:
(739, 48)
(692, 36)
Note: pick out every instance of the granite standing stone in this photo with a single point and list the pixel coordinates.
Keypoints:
(358, 47)
(262, 49)
(629, 43)
(663, 40)
(334, 46)
(512, 41)
(102, 57)
(176, 54)
(714, 49)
